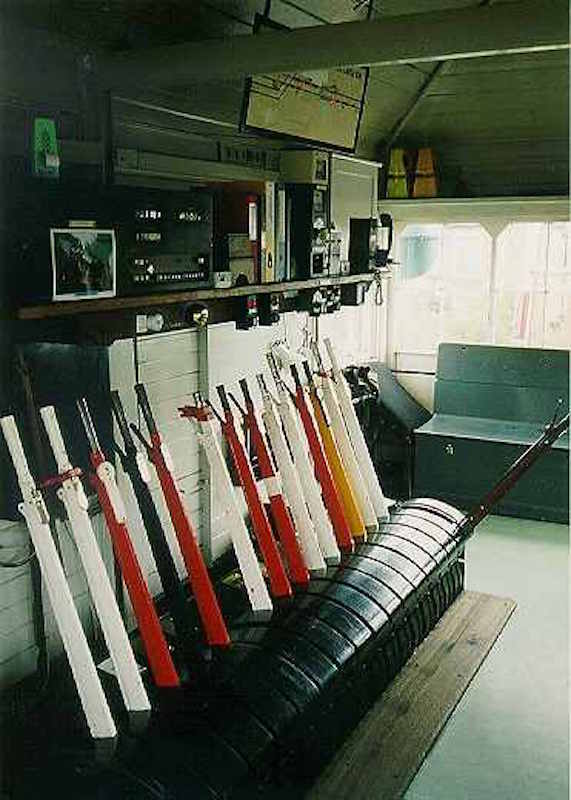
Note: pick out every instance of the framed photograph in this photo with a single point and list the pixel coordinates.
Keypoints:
(83, 263)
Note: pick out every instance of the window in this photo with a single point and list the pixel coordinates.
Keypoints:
(459, 283)
(441, 286)
(532, 290)
(557, 331)
(519, 287)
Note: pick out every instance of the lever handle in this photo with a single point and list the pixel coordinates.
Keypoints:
(121, 420)
(16, 450)
(262, 384)
(243, 383)
(145, 407)
(295, 375)
(317, 355)
(224, 400)
(88, 425)
(274, 368)
(308, 373)
(332, 356)
(50, 420)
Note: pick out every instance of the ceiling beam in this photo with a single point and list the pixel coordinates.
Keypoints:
(505, 28)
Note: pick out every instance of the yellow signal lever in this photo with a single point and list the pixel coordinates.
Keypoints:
(346, 493)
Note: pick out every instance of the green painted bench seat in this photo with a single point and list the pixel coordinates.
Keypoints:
(489, 403)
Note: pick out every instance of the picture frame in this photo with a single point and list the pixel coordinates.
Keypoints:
(262, 22)
(84, 263)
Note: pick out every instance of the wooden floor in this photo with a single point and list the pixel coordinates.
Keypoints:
(385, 751)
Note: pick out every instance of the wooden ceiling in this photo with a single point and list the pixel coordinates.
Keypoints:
(500, 125)
(118, 24)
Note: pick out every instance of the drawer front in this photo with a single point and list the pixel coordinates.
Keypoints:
(462, 471)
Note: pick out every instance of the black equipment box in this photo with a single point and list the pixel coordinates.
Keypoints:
(389, 416)
(309, 225)
(359, 245)
(164, 239)
(370, 242)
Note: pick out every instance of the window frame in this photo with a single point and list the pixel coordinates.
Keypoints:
(494, 214)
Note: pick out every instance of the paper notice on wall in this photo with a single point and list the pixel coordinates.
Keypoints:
(253, 221)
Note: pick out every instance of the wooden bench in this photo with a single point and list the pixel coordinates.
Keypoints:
(489, 403)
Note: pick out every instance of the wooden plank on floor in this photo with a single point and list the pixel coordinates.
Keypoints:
(384, 753)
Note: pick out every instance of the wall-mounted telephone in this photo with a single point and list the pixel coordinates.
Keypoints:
(370, 242)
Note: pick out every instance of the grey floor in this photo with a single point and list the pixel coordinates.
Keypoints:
(509, 736)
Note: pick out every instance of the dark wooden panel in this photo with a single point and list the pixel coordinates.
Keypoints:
(397, 7)
(538, 104)
(330, 10)
(383, 754)
(501, 152)
(127, 24)
(405, 76)
(221, 102)
(495, 116)
(514, 84)
(552, 179)
(511, 63)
